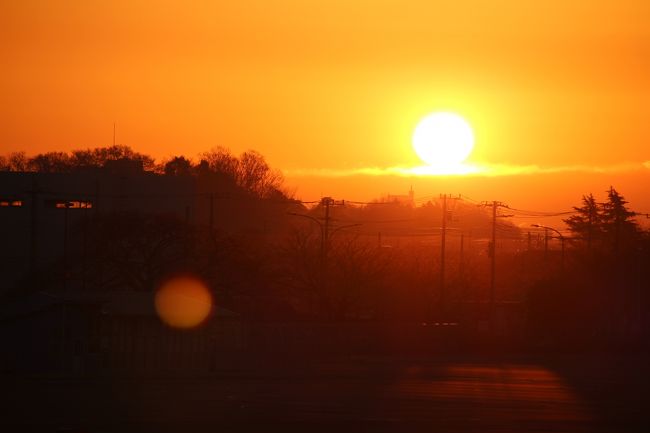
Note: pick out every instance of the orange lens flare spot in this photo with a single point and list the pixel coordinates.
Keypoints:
(183, 302)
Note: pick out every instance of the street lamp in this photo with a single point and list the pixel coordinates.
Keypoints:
(546, 228)
(324, 233)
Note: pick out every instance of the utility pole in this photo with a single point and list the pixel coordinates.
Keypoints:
(443, 241)
(442, 253)
(327, 202)
(492, 251)
(324, 246)
(325, 239)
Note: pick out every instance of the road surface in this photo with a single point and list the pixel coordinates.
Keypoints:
(350, 395)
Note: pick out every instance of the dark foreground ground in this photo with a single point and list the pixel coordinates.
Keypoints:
(569, 393)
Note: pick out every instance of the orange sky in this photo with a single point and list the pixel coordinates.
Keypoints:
(325, 88)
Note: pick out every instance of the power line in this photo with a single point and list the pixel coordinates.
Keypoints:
(470, 199)
(538, 216)
(370, 203)
(380, 221)
(542, 213)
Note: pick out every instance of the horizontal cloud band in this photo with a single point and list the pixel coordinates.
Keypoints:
(486, 170)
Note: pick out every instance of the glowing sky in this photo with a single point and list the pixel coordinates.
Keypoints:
(331, 87)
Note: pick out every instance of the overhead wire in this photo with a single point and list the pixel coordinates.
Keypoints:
(540, 213)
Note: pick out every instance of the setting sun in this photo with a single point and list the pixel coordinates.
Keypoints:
(443, 140)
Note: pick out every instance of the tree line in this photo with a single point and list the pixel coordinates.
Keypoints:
(604, 225)
(248, 171)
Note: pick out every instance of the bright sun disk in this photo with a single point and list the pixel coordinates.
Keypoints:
(443, 141)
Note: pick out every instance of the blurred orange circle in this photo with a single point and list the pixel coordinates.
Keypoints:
(183, 302)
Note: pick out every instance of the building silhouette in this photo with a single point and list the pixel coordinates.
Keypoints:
(44, 216)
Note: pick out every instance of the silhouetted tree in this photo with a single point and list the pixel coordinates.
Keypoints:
(15, 161)
(220, 160)
(62, 162)
(250, 171)
(586, 224)
(256, 176)
(84, 158)
(178, 166)
(133, 251)
(50, 162)
(301, 262)
(202, 168)
(101, 155)
(358, 279)
(610, 223)
(618, 222)
(358, 270)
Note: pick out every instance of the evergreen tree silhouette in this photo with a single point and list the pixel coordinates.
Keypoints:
(586, 225)
(618, 224)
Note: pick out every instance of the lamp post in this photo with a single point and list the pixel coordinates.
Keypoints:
(325, 235)
(561, 236)
(322, 233)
